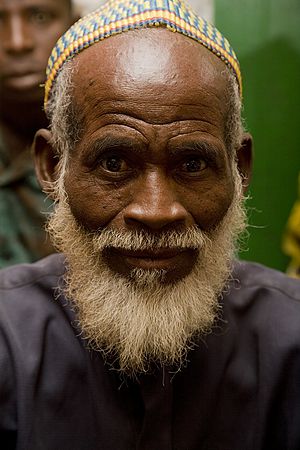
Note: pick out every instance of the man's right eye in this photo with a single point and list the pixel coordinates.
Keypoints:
(40, 16)
(114, 164)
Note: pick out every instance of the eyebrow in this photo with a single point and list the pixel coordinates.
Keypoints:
(205, 149)
(110, 143)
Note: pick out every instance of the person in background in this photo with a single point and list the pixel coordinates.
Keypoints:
(28, 31)
(145, 332)
(291, 238)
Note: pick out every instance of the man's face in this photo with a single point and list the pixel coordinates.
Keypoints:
(149, 200)
(28, 31)
(152, 153)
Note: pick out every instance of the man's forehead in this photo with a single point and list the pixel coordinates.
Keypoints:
(154, 78)
(149, 61)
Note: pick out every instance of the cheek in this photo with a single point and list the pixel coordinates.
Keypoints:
(210, 206)
(94, 205)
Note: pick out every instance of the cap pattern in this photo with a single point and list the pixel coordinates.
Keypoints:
(117, 16)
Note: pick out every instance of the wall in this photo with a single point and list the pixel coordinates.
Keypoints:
(266, 37)
(85, 6)
(203, 7)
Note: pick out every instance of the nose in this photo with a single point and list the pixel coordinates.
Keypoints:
(18, 37)
(155, 205)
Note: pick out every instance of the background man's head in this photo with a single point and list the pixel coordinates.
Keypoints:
(146, 158)
(28, 31)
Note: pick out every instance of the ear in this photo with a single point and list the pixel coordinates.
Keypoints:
(244, 157)
(46, 160)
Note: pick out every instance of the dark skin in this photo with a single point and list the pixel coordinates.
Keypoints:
(152, 154)
(28, 31)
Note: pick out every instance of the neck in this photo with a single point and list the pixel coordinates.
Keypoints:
(19, 122)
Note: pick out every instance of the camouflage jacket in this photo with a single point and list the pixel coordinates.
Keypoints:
(23, 211)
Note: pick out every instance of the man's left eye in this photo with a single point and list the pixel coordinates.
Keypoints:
(194, 164)
(40, 17)
(114, 164)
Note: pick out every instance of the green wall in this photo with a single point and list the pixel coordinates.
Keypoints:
(266, 37)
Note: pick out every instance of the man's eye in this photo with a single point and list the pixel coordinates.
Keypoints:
(40, 17)
(193, 165)
(114, 164)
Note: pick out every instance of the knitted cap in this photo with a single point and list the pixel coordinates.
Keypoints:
(117, 16)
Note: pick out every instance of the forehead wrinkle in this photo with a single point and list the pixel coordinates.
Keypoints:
(124, 121)
(199, 95)
(120, 128)
(125, 109)
(131, 95)
(196, 139)
(129, 99)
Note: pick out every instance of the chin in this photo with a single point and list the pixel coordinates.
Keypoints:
(142, 316)
(23, 96)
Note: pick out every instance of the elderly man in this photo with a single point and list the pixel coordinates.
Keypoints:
(28, 31)
(144, 333)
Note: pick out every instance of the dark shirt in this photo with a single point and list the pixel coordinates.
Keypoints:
(23, 208)
(240, 389)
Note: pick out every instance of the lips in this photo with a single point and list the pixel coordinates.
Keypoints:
(22, 79)
(165, 259)
(151, 254)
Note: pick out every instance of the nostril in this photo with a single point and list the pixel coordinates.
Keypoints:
(155, 217)
(18, 37)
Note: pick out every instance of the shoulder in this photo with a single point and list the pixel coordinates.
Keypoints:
(38, 344)
(29, 288)
(250, 274)
(34, 314)
(264, 301)
(22, 276)
(256, 278)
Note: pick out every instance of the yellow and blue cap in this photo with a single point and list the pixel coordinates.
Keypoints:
(117, 16)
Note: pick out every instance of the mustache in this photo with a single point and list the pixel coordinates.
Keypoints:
(191, 238)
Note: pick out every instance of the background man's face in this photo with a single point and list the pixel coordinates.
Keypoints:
(150, 158)
(28, 31)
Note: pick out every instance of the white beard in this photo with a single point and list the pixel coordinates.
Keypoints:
(139, 320)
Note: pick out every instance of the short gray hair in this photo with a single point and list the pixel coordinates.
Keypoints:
(234, 126)
(64, 122)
